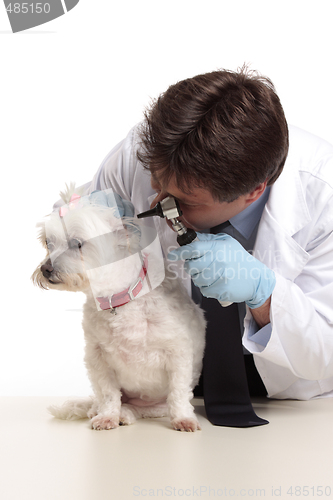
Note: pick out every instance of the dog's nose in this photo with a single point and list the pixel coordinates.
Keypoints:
(47, 269)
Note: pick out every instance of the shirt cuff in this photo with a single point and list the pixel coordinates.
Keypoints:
(257, 338)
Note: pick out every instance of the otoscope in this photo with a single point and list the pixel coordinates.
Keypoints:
(169, 208)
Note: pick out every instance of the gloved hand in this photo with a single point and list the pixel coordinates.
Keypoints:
(224, 270)
(112, 200)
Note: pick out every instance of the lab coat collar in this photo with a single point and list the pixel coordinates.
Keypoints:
(286, 203)
(285, 214)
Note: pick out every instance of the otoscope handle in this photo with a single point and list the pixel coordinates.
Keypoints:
(186, 238)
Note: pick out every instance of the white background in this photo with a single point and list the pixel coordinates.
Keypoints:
(71, 89)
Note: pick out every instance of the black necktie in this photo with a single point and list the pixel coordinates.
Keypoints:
(225, 389)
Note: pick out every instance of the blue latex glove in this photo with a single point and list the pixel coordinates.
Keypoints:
(112, 200)
(224, 270)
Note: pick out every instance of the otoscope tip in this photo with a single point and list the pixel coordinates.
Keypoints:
(150, 213)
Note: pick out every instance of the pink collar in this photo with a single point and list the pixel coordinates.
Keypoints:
(122, 298)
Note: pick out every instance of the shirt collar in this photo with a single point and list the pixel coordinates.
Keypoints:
(246, 221)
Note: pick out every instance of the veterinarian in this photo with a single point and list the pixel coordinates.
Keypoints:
(219, 144)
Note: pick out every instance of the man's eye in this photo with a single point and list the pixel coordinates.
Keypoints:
(183, 204)
(75, 243)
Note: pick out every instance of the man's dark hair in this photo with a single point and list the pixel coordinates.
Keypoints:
(223, 131)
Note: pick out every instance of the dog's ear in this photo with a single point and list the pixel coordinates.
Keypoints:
(129, 233)
(140, 234)
(41, 236)
(69, 191)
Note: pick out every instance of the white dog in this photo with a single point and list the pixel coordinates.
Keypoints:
(145, 360)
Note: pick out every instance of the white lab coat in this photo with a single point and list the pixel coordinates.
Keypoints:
(294, 238)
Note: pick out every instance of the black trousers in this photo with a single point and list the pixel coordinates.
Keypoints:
(255, 384)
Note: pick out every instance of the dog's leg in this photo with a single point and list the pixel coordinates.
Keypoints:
(180, 393)
(108, 409)
(106, 389)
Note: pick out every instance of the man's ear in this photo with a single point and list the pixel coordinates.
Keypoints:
(256, 193)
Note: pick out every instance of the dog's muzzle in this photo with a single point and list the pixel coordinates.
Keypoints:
(47, 269)
(49, 273)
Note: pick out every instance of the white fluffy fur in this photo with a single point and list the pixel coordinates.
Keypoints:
(145, 360)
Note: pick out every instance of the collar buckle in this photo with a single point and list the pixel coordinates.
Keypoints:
(113, 310)
(132, 288)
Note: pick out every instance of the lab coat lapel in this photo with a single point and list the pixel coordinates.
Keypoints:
(277, 249)
(275, 245)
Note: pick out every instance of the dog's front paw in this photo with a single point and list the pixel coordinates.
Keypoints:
(186, 424)
(104, 422)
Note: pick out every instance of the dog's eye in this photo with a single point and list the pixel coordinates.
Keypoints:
(75, 243)
(49, 245)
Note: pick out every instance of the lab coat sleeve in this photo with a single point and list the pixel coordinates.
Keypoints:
(300, 334)
(117, 170)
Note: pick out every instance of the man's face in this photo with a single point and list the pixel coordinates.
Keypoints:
(200, 210)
